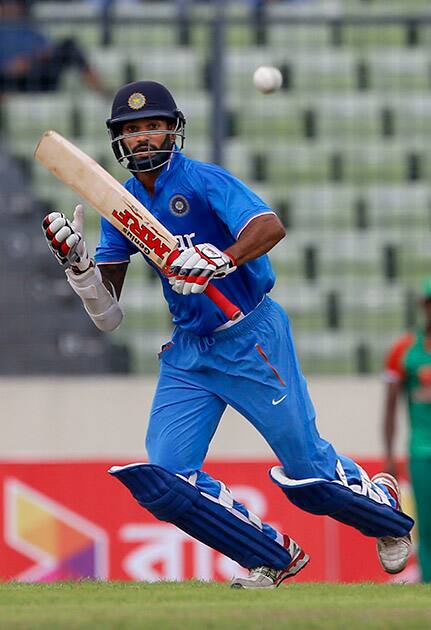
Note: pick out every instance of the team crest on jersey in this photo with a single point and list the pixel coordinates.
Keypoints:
(136, 100)
(179, 205)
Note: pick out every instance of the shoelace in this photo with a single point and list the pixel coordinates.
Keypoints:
(266, 571)
(394, 539)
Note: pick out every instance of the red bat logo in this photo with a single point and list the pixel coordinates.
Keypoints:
(143, 234)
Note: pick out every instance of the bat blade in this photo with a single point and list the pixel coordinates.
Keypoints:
(105, 194)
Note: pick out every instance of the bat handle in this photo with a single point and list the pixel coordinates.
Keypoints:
(226, 306)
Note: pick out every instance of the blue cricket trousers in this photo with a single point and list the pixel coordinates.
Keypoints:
(253, 367)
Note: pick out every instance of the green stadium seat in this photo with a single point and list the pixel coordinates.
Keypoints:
(399, 69)
(151, 64)
(27, 116)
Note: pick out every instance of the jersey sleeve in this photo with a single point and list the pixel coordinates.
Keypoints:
(231, 199)
(113, 247)
(394, 362)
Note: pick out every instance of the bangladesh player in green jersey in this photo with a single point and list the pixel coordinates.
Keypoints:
(408, 372)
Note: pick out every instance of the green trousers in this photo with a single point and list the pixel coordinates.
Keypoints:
(420, 473)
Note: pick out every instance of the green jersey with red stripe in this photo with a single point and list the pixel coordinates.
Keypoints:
(409, 362)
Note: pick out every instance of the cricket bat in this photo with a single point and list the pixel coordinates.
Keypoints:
(104, 193)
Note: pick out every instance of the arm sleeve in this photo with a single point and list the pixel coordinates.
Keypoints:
(235, 204)
(394, 362)
(113, 247)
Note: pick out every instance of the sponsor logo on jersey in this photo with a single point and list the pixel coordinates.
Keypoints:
(179, 205)
(137, 100)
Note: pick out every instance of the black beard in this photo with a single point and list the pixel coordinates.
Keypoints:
(143, 164)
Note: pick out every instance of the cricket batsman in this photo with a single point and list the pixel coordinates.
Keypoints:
(225, 232)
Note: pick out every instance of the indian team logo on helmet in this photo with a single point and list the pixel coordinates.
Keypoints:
(179, 205)
(136, 100)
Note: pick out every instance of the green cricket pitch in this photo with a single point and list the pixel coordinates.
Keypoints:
(199, 605)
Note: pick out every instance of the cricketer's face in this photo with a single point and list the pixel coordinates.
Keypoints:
(145, 136)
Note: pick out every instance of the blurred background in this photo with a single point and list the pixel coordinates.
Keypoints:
(341, 152)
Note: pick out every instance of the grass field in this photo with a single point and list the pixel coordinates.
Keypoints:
(198, 606)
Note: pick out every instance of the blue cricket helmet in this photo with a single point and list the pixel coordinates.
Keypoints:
(144, 99)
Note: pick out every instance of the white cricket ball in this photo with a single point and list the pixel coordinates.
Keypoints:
(267, 79)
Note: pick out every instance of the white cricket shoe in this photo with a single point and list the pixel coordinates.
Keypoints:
(267, 577)
(393, 551)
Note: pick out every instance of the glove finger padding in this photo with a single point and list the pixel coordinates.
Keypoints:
(196, 266)
(62, 234)
(64, 239)
(183, 260)
(70, 243)
(56, 229)
(192, 276)
(50, 218)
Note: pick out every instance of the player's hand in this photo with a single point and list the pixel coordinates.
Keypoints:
(65, 239)
(196, 266)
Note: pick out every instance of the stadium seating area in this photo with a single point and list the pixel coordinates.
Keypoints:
(342, 152)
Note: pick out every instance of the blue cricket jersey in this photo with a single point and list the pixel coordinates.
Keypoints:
(199, 203)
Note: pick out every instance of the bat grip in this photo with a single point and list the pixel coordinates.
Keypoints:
(226, 306)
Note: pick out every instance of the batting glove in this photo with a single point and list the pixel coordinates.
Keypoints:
(65, 239)
(196, 266)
